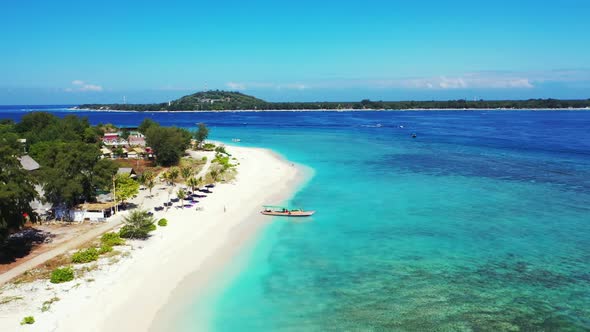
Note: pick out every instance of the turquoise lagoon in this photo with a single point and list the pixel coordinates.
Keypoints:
(480, 223)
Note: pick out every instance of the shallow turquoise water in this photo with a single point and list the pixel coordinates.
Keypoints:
(481, 223)
(464, 228)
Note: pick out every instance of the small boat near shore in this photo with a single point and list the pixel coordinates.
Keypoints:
(271, 210)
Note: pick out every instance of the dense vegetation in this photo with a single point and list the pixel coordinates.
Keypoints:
(71, 169)
(16, 184)
(223, 100)
(168, 143)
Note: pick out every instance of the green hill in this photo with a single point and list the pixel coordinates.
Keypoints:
(217, 100)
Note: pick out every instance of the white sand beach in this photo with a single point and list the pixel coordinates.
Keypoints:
(127, 294)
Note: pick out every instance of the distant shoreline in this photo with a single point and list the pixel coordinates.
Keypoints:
(340, 110)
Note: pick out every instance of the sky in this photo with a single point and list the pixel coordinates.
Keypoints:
(71, 52)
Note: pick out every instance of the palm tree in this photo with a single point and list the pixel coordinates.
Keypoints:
(165, 176)
(150, 185)
(186, 173)
(173, 174)
(192, 182)
(145, 178)
(181, 194)
(137, 225)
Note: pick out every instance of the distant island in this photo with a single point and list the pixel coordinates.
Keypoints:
(226, 100)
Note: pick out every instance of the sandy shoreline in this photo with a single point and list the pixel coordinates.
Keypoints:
(130, 294)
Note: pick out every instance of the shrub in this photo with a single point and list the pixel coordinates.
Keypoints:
(221, 149)
(104, 249)
(112, 239)
(204, 158)
(163, 222)
(60, 275)
(85, 256)
(28, 320)
(126, 232)
(209, 146)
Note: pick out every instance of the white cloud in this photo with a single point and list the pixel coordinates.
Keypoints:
(266, 85)
(236, 86)
(81, 86)
(90, 87)
(467, 81)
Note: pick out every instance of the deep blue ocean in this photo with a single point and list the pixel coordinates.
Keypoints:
(480, 223)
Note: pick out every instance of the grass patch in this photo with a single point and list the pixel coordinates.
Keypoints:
(8, 299)
(104, 249)
(112, 253)
(28, 320)
(61, 275)
(112, 239)
(85, 256)
(87, 269)
(47, 304)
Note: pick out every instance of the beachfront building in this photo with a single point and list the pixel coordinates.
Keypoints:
(136, 139)
(92, 211)
(114, 139)
(106, 153)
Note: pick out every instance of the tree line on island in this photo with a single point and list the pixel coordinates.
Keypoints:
(71, 168)
(225, 100)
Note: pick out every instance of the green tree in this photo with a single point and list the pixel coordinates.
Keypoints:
(201, 134)
(138, 224)
(186, 173)
(173, 174)
(193, 183)
(16, 186)
(125, 187)
(168, 143)
(181, 194)
(146, 124)
(166, 177)
(147, 179)
(150, 185)
(125, 134)
(71, 171)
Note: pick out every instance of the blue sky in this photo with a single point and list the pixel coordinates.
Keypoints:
(54, 52)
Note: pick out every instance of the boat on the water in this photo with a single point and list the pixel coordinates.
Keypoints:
(271, 210)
